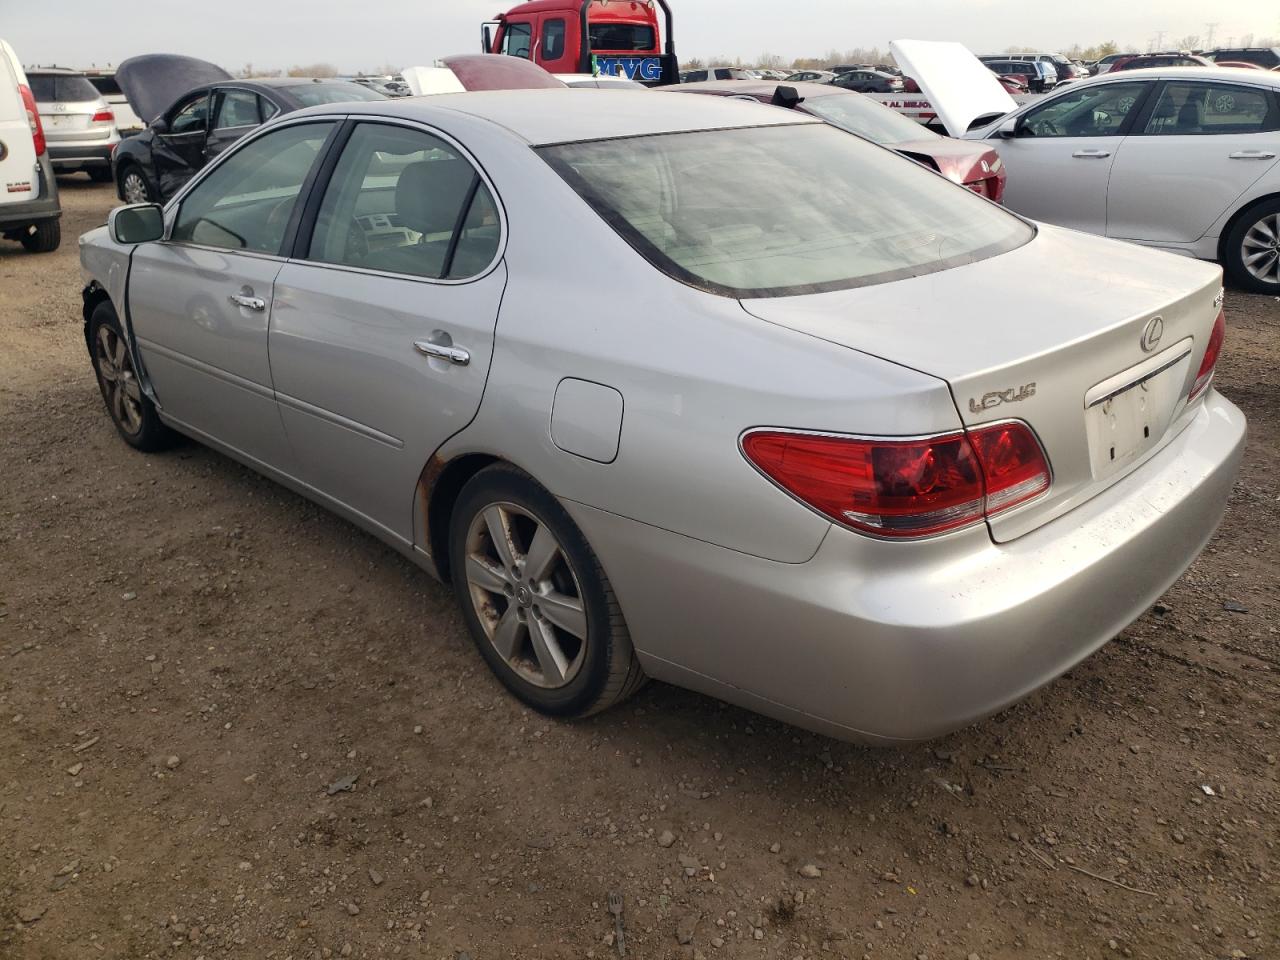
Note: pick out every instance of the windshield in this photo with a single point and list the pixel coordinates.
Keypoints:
(314, 94)
(867, 118)
(784, 210)
(622, 36)
(61, 88)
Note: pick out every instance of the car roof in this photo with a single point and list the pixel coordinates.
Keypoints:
(542, 117)
(54, 71)
(765, 88)
(1235, 74)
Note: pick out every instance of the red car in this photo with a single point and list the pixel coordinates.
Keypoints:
(971, 164)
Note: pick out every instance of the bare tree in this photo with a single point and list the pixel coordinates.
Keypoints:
(314, 70)
(694, 64)
(249, 70)
(1190, 42)
(770, 61)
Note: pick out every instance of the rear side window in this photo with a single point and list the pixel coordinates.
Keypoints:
(553, 39)
(245, 204)
(60, 88)
(237, 108)
(402, 201)
(1191, 109)
(780, 211)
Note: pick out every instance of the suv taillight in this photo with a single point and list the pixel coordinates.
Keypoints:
(103, 116)
(33, 118)
(1211, 352)
(902, 489)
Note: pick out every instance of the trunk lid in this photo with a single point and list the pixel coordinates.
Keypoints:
(959, 86)
(1051, 334)
(155, 80)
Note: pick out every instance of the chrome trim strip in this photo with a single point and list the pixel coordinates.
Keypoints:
(252, 386)
(1134, 376)
(329, 416)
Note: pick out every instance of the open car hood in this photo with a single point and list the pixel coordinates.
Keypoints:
(959, 86)
(153, 81)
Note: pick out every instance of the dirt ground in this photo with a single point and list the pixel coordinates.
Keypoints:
(190, 656)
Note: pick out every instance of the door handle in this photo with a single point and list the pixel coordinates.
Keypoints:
(1252, 155)
(248, 302)
(1091, 154)
(437, 351)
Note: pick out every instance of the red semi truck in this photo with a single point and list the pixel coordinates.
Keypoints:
(618, 38)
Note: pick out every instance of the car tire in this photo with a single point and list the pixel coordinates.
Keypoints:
(132, 185)
(132, 412)
(574, 662)
(46, 237)
(1251, 250)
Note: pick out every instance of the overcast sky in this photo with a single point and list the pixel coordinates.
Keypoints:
(356, 35)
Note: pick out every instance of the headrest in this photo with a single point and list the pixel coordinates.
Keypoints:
(430, 193)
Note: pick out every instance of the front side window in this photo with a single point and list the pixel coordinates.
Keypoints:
(192, 118)
(246, 202)
(1190, 109)
(807, 208)
(517, 39)
(1089, 112)
(402, 201)
(238, 108)
(553, 39)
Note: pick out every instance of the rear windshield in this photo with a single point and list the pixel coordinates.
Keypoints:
(106, 86)
(621, 36)
(314, 94)
(867, 118)
(61, 88)
(780, 211)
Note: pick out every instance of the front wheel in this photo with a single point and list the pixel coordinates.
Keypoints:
(134, 186)
(537, 602)
(1251, 252)
(132, 412)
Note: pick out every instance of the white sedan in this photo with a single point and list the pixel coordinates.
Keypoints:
(1186, 159)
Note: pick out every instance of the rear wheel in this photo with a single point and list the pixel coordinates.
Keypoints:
(1251, 251)
(45, 238)
(134, 186)
(539, 606)
(131, 410)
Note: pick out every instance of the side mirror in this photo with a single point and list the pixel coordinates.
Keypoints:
(136, 223)
(1009, 129)
(160, 125)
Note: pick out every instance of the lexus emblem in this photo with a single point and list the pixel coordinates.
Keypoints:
(1152, 333)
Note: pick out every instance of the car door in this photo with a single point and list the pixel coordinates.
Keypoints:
(559, 46)
(235, 113)
(1059, 159)
(1200, 146)
(383, 323)
(178, 151)
(200, 300)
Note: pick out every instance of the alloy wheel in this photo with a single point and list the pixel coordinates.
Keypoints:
(115, 370)
(1260, 249)
(135, 188)
(526, 595)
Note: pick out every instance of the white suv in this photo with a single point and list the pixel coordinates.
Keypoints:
(29, 208)
(78, 123)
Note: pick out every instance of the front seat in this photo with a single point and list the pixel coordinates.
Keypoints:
(429, 195)
(1191, 116)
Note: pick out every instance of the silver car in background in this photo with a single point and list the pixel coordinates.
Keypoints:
(79, 124)
(686, 388)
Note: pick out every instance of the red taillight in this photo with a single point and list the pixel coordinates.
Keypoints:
(1211, 352)
(33, 118)
(103, 116)
(905, 488)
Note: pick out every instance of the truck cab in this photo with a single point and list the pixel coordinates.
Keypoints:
(617, 38)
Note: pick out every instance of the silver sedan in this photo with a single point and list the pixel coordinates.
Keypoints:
(688, 389)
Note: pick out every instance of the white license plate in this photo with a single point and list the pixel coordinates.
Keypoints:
(57, 120)
(1128, 424)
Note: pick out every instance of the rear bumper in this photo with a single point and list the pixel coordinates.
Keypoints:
(44, 206)
(888, 642)
(76, 156)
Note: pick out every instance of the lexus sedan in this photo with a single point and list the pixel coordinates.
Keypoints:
(686, 388)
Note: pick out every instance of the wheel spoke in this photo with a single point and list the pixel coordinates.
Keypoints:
(495, 519)
(1256, 242)
(118, 357)
(547, 649)
(1268, 230)
(481, 573)
(565, 612)
(131, 388)
(542, 555)
(508, 637)
(117, 402)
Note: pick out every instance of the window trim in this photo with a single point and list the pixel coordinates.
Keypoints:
(1270, 94)
(174, 205)
(299, 242)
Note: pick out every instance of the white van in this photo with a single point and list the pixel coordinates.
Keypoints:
(29, 209)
